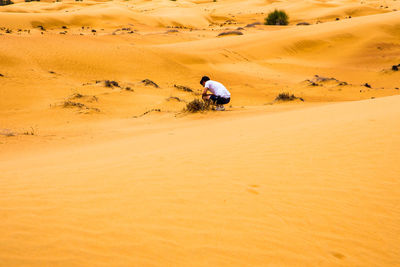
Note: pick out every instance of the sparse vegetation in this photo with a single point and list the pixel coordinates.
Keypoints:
(252, 24)
(287, 97)
(108, 83)
(198, 105)
(69, 104)
(183, 88)
(147, 112)
(6, 2)
(367, 85)
(230, 33)
(277, 17)
(29, 132)
(320, 81)
(7, 132)
(174, 98)
(72, 104)
(303, 24)
(150, 82)
(87, 98)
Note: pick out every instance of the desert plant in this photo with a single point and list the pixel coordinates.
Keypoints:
(230, 33)
(6, 2)
(183, 88)
(30, 132)
(277, 17)
(150, 82)
(198, 105)
(108, 83)
(287, 97)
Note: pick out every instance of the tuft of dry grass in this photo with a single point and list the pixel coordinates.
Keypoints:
(7, 132)
(287, 97)
(109, 83)
(183, 88)
(174, 98)
(29, 132)
(198, 105)
(72, 104)
(230, 33)
(147, 112)
(150, 82)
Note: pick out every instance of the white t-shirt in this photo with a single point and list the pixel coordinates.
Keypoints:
(217, 89)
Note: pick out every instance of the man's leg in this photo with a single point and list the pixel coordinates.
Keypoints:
(221, 102)
(206, 97)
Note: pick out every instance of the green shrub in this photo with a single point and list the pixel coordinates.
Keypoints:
(278, 17)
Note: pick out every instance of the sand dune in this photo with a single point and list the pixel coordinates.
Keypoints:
(315, 186)
(101, 166)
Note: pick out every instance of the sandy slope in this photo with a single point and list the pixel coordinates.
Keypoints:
(117, 175)
(313, 186)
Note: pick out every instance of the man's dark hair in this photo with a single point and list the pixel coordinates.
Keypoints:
(204, 79)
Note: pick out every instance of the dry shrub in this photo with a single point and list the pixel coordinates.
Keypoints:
(230, 33)
(6, 2)
(198, 105)
(109, 83)
(147, 112)
(183, 88)
(287, 97)
(253, 24)
(174, 98)
(72, 104)
(150, 82)
(303, 24)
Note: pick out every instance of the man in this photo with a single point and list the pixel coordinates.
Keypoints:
(219, 94)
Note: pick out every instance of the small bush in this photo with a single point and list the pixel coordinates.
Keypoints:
(278, 17)
(108, 83)
(150, 82)
(6, 2)
(253, 24)
(69, 104)
(230, 33)
(198, 105)
(287, 97)
(174, 98)
(183, 88)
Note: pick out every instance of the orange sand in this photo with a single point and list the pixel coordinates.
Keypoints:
(104, 182)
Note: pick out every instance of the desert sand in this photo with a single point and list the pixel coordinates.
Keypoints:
(98, 168)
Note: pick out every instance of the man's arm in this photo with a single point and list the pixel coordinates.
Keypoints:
(205, 91)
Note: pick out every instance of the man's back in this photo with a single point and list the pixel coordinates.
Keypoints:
(217, 89)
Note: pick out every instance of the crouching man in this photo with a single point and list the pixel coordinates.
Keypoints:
(219, 94)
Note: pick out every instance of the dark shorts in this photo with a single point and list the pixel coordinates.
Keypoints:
(220, 100)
